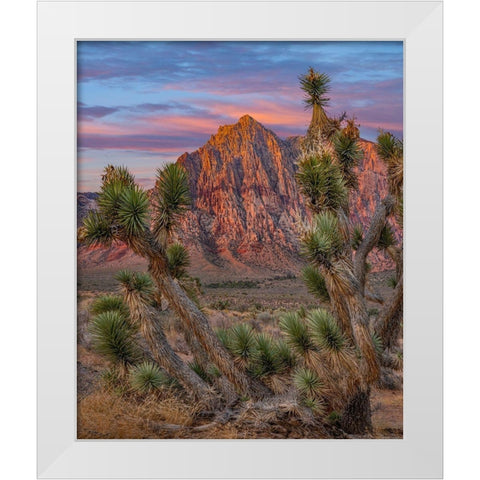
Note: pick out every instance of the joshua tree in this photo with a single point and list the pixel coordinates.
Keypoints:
(126, 214)
(337, 251)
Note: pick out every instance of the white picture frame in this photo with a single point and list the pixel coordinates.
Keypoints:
(419, 25)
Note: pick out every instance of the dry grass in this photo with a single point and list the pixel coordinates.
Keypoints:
(104, 414)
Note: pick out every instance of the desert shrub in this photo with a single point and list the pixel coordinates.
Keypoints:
(308, 382)
(220, 305)
(264, 356)
(147, 377)
(242, 341)
(264, 317)
(113, 337)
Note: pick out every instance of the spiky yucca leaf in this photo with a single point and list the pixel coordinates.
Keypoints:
(316, 87)
(392, 282)
(242, 341)
(139, 282)
(349, 154)
(147, 377)
(326, 331)
(296, 333)
(285, 355)
(96, 230)
(387, 237)
(178, 260)
(107, 303)
(315, 283)
(113, 336)
(171, 198)
(322, 183)
(323, 241)
(390, 150)
(118, 174)
(224, 337)
(199, 370)
(133, 210)
(264, 357)
(357, 236)
(316, 405)
(377, 343)
(307, 382)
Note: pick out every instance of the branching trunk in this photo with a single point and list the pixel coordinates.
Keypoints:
(197, 323)
(164, 355)
(371, 238)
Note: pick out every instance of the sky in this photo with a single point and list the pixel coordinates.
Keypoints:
(143, 104)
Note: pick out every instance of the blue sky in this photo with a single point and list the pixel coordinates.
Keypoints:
(142, 104)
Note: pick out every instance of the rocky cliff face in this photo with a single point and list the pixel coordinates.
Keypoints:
(246, 205)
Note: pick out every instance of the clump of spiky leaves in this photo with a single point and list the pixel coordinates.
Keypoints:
(170, 200)
(286, 357)
(113, 337)
(308, 383)
(296, 333)
(356, 236)
(108, 303)
(323, 240)
(316, 87)
(315, 283)
(348, 154)
(241, 342)
(392, 281)
(390, 150)
(138, 285)
(387, 237)
(224, 337)
(264, 356)
(147, 377)
(377, 343)
(122, 210)
(316, 405)
(178, 260)
(322, 183)
(334, 347)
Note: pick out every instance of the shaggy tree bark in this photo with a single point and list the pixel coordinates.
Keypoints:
(198, 324)
(384, 208)
(357, 415)
(389, 320)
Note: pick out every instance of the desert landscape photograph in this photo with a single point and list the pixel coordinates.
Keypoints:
(239, 240)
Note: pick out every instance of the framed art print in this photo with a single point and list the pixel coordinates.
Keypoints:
(234, 202)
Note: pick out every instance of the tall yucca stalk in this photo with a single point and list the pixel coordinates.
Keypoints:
(328, 247)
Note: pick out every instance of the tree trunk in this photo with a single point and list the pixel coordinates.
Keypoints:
(390, 318)
(198, 324)
(166, 357)
(357, 415)
(379, 218)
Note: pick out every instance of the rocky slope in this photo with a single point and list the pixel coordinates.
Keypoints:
(246, 205)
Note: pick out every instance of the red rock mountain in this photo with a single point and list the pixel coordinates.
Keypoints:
(246, 205)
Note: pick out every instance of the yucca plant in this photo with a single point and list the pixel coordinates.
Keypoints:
(108, 303)
(322, 183)
(315, 283)
(286, 357)
(349, 154)
(242, 342)
(113, 337)
(171, 199)
(326, 163)
(124, 215)
(147, 377)
(178, 260)
(308, 383)
(264, 357)
(296, 334)
(137, 289)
